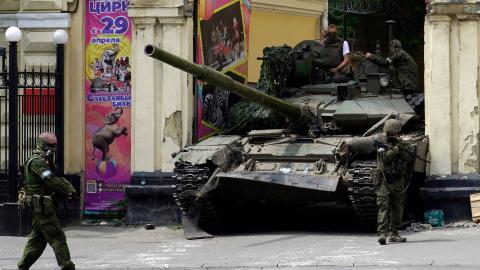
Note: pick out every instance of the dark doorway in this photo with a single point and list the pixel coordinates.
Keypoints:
(365, 25)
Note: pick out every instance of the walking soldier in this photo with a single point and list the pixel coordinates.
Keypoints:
(42, 188)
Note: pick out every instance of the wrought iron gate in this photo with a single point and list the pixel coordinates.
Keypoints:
(35, 107)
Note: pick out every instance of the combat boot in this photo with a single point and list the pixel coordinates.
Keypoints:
(382, 240)
(68, 266)
(396, 238)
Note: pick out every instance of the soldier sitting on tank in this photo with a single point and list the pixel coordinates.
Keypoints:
(393, 162)
(335, 57)
(405, 70)
(42, 188)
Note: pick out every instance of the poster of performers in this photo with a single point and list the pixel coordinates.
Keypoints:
(107, 110)
(222, 44)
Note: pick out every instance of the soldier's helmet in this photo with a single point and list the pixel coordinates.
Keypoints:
(47, 141)
(392, 125)
(395, 44)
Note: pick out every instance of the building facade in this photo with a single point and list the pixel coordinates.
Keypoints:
(163, 97)
(451, 86)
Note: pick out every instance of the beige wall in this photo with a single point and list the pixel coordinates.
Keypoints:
(162, 111)
(35, 5)
(451, 86)
(275, 23)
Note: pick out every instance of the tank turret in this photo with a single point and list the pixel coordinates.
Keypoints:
(295, 113)
(314, 108)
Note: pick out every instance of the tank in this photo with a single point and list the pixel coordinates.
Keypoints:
(323, 156)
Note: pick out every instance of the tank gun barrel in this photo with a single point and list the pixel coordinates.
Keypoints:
(221, 80)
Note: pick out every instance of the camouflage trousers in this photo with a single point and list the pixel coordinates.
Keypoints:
(46, 230)
(406, 80)
(390, 207)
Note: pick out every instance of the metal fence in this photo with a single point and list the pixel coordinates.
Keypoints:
(36, 108)
(35, 113)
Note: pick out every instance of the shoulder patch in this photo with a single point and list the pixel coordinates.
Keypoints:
(45, 174)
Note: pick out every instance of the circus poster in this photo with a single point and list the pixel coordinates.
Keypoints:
(108, 101)
(222, 44)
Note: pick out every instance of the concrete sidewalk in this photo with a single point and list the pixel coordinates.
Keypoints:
(101, 247)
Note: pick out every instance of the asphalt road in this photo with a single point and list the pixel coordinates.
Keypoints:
(104, 247)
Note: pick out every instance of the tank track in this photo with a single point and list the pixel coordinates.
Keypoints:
(189, 179)
(362, 193)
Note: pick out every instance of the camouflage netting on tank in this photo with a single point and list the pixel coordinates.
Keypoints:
(245, 115)
(277, 64)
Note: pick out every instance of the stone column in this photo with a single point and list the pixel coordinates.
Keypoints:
(452, 47)
(438, 109)
(468, 124)
(175, 93)
(452, 98)
(144, 96)
(162, 95)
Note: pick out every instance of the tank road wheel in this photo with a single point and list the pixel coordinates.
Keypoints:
(416, 102)
(362, 193)
(189, 180)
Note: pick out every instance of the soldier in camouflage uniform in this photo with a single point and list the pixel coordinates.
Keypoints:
(405, 75)
(393, 164)
(42, 186)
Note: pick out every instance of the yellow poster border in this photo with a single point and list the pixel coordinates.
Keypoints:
(212, 127)
(237, 73)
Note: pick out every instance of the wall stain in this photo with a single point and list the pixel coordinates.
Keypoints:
(468, 141)
(473, 161)
(474, 112)
(173, 128)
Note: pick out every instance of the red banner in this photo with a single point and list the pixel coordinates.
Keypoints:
(38, 101)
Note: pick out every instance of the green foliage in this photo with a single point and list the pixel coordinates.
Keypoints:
(410, 28)
(352, 22)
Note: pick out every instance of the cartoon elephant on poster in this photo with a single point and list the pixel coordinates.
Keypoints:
(108, 133)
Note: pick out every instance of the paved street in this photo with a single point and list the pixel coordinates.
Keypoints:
(104, 247)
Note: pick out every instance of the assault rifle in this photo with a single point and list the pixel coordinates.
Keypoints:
(379, 144)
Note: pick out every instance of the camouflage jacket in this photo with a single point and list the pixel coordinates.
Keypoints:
(405, 68)
(41, 179)
(395, 164)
